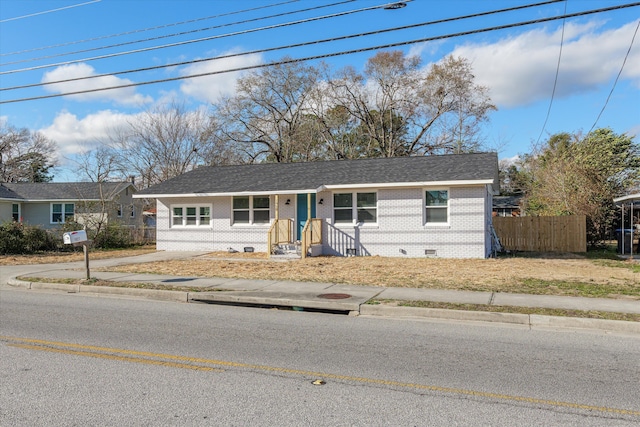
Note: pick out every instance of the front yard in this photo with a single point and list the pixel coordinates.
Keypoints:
(564, 274)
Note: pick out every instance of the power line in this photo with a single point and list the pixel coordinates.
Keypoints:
(253, 52)
(146, 29)
(616, 80)
(48, 11)
(555, 81)
(198, 30)
(237, 33)
(329, 55)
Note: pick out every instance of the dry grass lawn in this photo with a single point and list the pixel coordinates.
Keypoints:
(568, 275)
(76, 255)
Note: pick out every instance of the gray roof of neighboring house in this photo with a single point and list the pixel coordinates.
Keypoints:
(45, 191)
(507, 202)
(6, 193)
(283, 177)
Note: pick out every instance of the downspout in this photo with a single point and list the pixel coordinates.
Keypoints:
(622, 229)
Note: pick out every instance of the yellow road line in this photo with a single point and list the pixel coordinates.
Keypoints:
(118, 358)
(37, 344)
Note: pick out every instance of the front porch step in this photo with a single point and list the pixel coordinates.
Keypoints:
(285, 257)
(287, 251)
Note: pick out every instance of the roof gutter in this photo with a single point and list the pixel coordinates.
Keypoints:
(331, 187)
(408, 184)
(235, 193)
(630, 197)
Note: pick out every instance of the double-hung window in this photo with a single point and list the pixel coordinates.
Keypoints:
(15, 212)
(364, 210)
(62, 212)
(190, 215)
(251, 209)
(437, 206)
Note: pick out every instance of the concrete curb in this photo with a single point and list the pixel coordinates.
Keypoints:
(584, 323)
(155, 294)
(531, 320)
(441, 313)
(281, 300)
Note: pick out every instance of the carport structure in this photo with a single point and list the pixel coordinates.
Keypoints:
(628, 204)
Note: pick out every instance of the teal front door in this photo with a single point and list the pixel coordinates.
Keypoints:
(301, 212)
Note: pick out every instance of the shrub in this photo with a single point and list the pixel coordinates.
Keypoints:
(11, 238)
(36, 239)
(17, 238)
(113, 236)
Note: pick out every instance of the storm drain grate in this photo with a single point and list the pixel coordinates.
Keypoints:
(334, 296)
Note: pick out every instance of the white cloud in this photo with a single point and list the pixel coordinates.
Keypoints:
(211, 88)
(74, 135)
(122, 96)
(426, 48)
(634, 132)
(521, 70)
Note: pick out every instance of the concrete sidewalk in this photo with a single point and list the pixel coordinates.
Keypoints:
(332, 297)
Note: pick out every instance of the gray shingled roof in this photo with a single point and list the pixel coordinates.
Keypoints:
(282, 177)
(6, 193)
(61, 190)
(506, 202)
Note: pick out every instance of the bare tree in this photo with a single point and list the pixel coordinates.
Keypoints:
(25, 156)
(165, 142)
(266, 117)
(405, 110)
(99, 165)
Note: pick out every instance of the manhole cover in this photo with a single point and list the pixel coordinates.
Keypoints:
(334, 296)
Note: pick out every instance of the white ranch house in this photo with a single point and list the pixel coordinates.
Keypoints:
(396, 207)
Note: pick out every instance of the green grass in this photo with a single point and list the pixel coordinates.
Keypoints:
(135, 285)
(631, 317)
(582, 289)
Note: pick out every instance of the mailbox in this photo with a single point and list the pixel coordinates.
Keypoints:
(74, 237)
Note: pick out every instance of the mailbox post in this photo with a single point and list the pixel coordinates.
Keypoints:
(79, 238)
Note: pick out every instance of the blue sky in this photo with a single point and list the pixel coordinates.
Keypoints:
(41, 41)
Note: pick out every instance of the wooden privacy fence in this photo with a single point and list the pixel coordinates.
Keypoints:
(542, 233)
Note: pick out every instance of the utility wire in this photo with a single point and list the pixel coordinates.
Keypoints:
(237, 33)
(48, 11)
(329, 55)
(253, 52)
(230, 24)
(140, 30)
(616, 80)
(555, 81)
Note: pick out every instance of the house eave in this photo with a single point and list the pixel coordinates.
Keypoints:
(228, 194)
(453, 183)
(630, 197)
(330, 187)
(63, 200)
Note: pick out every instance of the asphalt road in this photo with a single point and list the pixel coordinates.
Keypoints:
(71, 359)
